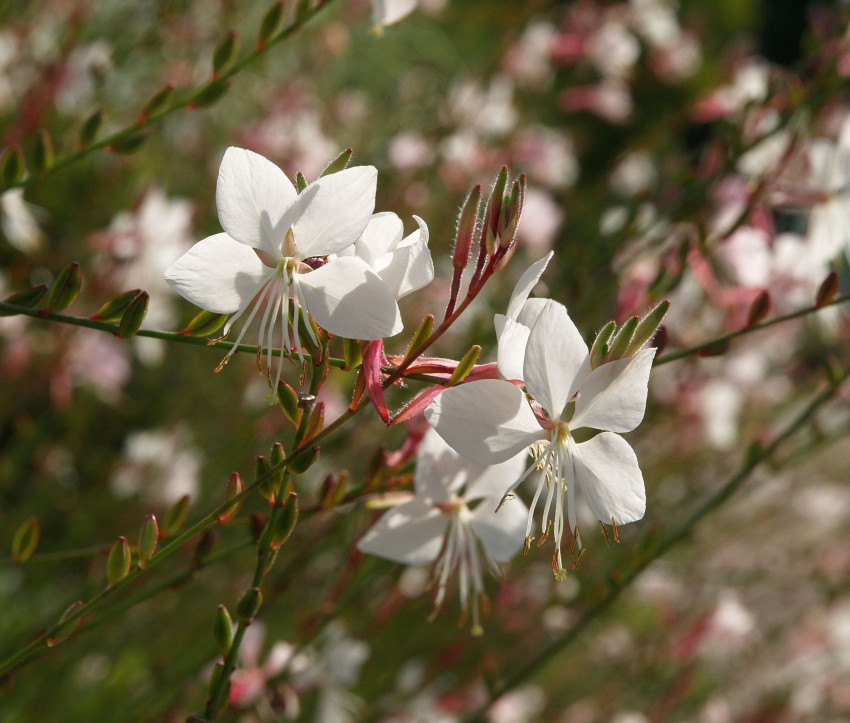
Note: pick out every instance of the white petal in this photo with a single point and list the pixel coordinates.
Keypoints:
(333, 211)
(381, 236)
(412, 534)
(609, 478)
(494, 479)
(252, 195)
(387, 12)
(410, 266)
(348, 299)
(487, 421)
(440, 471)
(531, 311)
(613, 396)
(502, 533)
(513, 338)
(554, 357)
(218, 274)
(525, 284)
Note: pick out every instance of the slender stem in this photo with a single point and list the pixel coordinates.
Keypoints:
(191, 99)
(753, 460)
(676, 355)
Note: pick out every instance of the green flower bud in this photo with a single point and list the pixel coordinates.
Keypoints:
(234, 487)
(118, 563)
(647, 327)
(25, 540)
(304, 460)
(65, 289)
(423, 333)
(204, 324)
(287, 397)
(66, 629)
(223, 630)
(465, 365)
(249, 604)
(148, 537)
(158, 103)
(620, 343)
(91, 127)
(175, 517)
(340, 163)
(225, 52)
(134, 315)
(270, 24)
(43, 154)
(285, 521)
(113, 310)
(27, 298)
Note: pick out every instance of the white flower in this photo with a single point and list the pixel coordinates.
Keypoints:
(388, 12)
(829, 221)
(451, 514)
(274, 249)
(403, 262)
(489, 421)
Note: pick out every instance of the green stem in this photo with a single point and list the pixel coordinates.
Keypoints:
(191, 98)
(676, 355)
(660, 549)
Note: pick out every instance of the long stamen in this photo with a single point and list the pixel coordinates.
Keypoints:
(299, 297)
(542, 463)
(247, 323)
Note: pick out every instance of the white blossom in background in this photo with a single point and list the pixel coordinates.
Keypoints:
(829, 220)
(249, 680)
(449, 521)
(158, 464)
(490, 421)
(18, 220)
(274, 248)
(389, 12)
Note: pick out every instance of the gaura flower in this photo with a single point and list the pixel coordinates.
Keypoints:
(450, 520)
(274, 248)
(491, 420)
(388, 12)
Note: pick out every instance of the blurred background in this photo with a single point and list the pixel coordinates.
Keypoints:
(671, 151)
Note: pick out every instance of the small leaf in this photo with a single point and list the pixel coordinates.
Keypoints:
(204, 324)
(128, 144)
(158, 103)
(65, 289)
(759, 309)
(225, 52)
(209, 94)
(148, 536)
(113, 310)
(43, 153)
(118, 564)
(134, 315)
(91, 127)
(28, 298)
(14, 166)
(270, 24)
(340, 163)
(25, 540)
(300, 182)
(175, 517)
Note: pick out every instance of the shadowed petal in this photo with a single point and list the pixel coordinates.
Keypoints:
(409, 267)
(487, 421)
(613, 396)
(525, 284)
(502, 533)
(218, 274)
(412, 534)
(347, 298)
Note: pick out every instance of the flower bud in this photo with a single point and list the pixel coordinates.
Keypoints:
(175, 517)
(300, 182)
(66, 627)
(304, 460)
(249, 604)
(620, 343)
(423, 333)
(25, 540)
(270, 24)
(315, 423)
(827, 291)
(493, 213)
(223, 630)
(599, 349)
(464, 366)
(118, 563)
(14, 167)
(287, 398)
(234, 487)
(467, 226)
(65, 289)
(261, 472)
(513, 213)
(148, 537)
(758, 309)
(340, 163)
(209, 94)
(113, 310)
(333, 490)
(27, 298)
(158, 103)
(278, 454)
(204, 324)
(91, 127)
(134, 315)
(285, 521)
(43, 153)
(205, 545)
(647, 327)
(225, 52)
